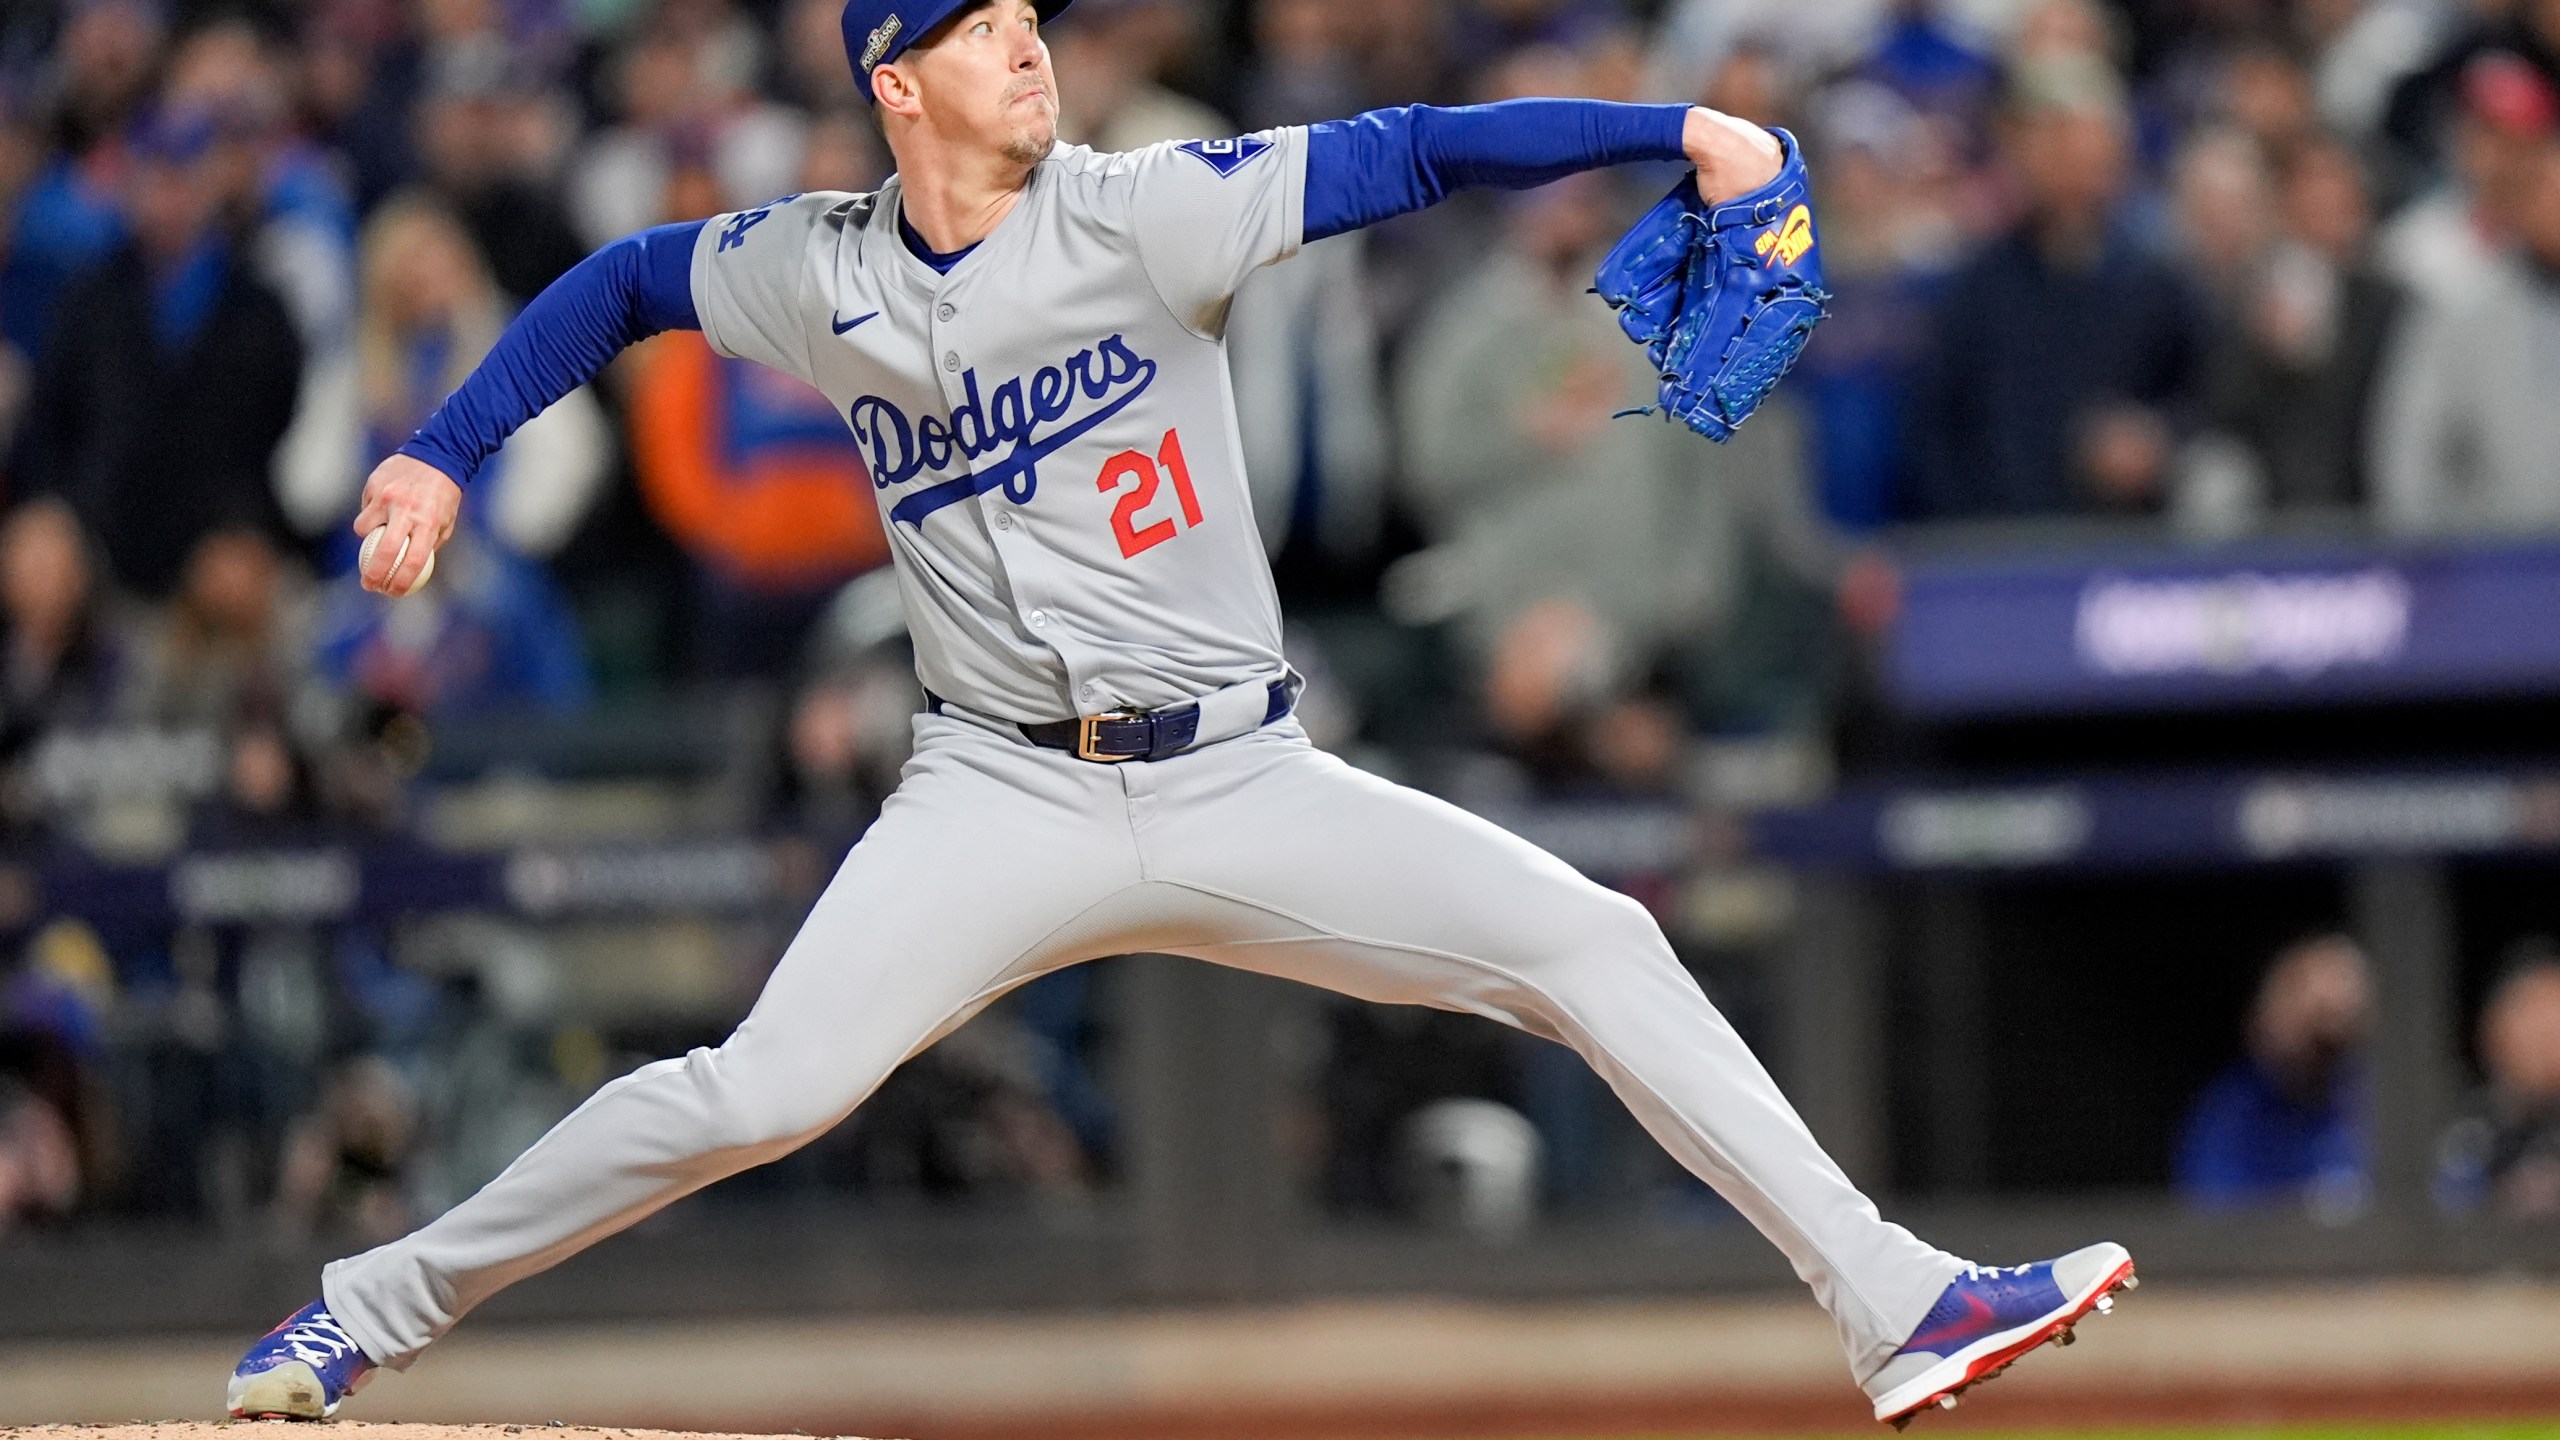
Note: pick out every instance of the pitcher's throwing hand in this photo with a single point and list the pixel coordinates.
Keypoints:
(412, 504)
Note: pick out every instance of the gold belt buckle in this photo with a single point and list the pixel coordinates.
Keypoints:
(1088, 736)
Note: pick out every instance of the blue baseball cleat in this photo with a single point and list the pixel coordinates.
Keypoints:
(1987, 1318)
(300, 1370)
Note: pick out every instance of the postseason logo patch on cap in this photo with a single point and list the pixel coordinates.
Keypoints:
(878, 44)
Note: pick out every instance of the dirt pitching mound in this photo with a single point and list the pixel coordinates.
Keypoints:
(358, 1430)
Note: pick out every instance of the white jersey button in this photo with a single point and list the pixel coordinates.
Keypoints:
(1004, 520)
(951, 362)
(1039, 618)
(946, 312)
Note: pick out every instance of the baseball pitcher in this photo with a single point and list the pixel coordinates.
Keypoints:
(1025, 339)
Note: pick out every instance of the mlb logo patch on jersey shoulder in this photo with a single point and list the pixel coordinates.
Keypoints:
(1225, 156)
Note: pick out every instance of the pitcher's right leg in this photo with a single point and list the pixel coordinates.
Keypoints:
(986, 850)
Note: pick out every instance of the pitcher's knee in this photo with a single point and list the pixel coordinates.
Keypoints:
(1613, 937)
(1613, 926)
(756, 1106)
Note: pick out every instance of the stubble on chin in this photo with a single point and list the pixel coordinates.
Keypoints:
(1038, 135)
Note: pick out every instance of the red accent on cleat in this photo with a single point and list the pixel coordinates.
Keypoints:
(2057, 1332)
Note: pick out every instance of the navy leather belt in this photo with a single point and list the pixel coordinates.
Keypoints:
(1121, 735)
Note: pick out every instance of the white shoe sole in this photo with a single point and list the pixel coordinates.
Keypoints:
(290, 1391)
(1941, 1383)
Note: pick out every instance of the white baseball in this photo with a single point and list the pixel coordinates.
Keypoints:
(373, 542)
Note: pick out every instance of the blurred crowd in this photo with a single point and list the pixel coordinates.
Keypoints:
(2290, 1123)
(2209, 266)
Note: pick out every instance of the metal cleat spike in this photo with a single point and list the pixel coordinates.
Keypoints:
(1902, 1422)
(2106, 1304)
(2132, 1282)
(1946, 1402)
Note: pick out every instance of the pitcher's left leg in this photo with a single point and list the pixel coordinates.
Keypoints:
(1385, 893)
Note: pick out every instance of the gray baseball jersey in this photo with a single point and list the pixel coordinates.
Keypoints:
(1049, 425)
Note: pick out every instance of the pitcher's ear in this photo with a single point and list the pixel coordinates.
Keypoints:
(893, 89)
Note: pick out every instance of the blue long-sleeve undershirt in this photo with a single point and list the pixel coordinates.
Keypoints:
(1389, 162)
(1359, 171)
(624, 293)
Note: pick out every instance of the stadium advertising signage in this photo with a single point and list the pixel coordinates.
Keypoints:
(2176, 820)
(1993, 638)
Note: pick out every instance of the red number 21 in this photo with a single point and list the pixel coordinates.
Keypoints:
(1138, 466)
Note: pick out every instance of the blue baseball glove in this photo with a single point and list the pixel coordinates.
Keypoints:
(1721, 298)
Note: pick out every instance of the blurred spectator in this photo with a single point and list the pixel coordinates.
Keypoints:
(813, 73)
(1934, 62)
(173, 361)
(2422, 105)
(39, 1161)
(1578, 551)
(1302, 352)
(492, 631)
(1114, 99)
(1303, 67)
(359, 74)
(970, 1117)
(431, 309)
(1888, 246)
(2505, 1154)
(2064, 357)
(63, 220)
(1404, 51)
(490, 634)
(1931, 51)
(472, 144)
(2221, 195)
(2265, 92)
(346, 1161)
(62, 663)
(2470, 404)
(753, 473)
(850, 728)
(228, 659)
(2071, 32)
(297, 224)
(2294, 378)
(687, 101)
(58, 1018)
(2446, 244)
(103, 65)
(2288, 1121)
(228, 649)
(2364, 50)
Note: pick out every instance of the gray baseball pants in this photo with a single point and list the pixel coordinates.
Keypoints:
(1261, 853)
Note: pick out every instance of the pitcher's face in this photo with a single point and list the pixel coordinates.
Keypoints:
(984, 79)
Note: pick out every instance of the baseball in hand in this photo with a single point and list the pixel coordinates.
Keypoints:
(373, 542)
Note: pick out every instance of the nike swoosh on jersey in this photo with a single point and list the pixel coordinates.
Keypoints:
(841, 326)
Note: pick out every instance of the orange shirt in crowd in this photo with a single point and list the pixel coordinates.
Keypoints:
(751, 471)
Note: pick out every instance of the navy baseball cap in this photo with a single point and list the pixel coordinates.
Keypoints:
(879, 31)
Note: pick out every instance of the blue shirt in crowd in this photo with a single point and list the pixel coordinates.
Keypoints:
(2248, 1142)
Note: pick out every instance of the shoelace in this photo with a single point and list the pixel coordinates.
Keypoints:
(319, 1340)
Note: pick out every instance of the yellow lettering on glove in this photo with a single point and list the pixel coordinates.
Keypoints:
(1790, 240)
